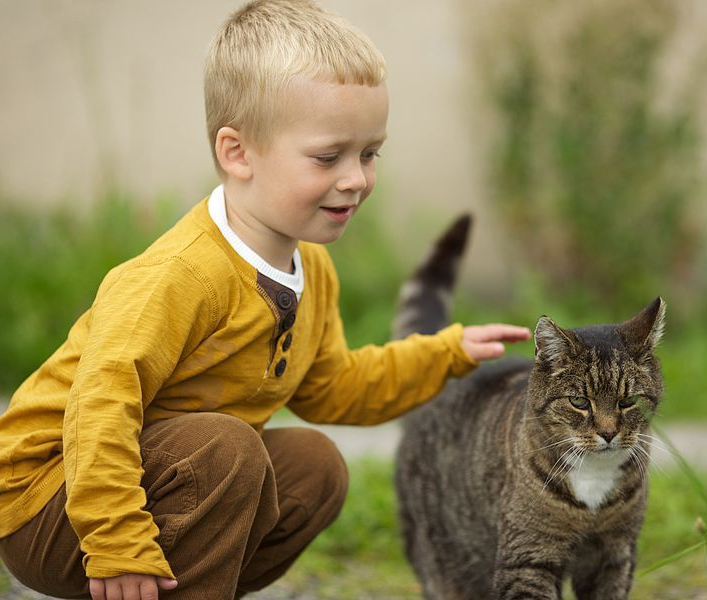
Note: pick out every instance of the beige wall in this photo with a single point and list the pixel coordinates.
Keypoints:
(92, 89)
(97, 88)
(87, 85)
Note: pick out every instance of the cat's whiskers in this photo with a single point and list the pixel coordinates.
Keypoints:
(569, 440)
(644, 453)
(643, 459)
(574, 462)
(655, 443)
(565, 462)
(551, 473)
(636, 459)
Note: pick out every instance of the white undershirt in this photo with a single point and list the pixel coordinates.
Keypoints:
(217, 211)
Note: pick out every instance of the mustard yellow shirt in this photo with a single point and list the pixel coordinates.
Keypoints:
(189, 326)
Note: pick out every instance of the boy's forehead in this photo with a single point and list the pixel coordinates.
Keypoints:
(322, 106)
(318, 93)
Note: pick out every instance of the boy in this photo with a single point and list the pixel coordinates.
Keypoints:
(136, 456)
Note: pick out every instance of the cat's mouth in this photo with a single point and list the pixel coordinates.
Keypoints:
(609, 452)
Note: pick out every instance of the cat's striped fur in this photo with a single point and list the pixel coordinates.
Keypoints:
(528, 472)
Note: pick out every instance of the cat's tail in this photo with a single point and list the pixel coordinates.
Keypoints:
(425, 299)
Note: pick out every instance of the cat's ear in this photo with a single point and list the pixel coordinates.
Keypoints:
(643, 332)
(552, 343)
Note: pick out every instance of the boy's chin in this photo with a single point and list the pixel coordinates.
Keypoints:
(326, 237)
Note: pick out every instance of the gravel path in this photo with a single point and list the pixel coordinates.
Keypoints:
(358, 442)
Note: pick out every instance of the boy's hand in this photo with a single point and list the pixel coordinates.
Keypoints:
(484, 342)
(134, 586)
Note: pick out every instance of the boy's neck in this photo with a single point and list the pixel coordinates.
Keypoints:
(275, 249)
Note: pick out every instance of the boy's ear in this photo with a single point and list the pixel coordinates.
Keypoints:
(231, 153)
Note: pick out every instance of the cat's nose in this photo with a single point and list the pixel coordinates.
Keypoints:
(608, 434)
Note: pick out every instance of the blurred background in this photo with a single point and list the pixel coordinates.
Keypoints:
(575, 132)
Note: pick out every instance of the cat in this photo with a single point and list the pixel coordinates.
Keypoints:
(525, 473)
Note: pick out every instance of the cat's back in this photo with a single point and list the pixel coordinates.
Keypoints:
(457, 442)
(484, 394)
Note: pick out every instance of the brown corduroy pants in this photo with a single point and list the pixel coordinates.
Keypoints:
(234, 510)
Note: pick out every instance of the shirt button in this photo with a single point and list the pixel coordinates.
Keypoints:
(287, 342)
(280, 367)
(288, 321)
(284, 300)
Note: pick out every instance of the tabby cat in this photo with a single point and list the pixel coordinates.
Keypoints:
(528, 472)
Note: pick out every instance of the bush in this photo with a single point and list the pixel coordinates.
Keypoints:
(52, 264)
(595, 168)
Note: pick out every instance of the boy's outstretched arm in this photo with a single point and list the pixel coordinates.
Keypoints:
(485, 342)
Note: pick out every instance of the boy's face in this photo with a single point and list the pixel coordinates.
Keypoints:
(320, 166)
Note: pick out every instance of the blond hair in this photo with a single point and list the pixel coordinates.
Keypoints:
(266, 44)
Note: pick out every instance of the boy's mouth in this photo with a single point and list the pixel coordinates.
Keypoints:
(339, 213)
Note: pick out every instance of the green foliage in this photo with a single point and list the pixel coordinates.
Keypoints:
(370, 274)
(673, 544)
(595, 168)
(50, 267)
(49, 282)
(682, 356)
(4, 581)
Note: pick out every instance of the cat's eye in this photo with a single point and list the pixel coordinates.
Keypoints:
(579, 402)
(628, 402)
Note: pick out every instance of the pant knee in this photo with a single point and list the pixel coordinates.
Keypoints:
(233, 453)
(205, 452)
(228, 438)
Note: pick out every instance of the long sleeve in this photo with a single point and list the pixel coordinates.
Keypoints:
(374, 384)
(142, 323)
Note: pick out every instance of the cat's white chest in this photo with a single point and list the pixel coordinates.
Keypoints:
(594, 478)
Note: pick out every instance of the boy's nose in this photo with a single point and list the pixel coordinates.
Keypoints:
(354, 179)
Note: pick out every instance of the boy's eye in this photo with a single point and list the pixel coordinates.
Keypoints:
(579, 402)
(628, 402)
(326, 159)
(370, 155)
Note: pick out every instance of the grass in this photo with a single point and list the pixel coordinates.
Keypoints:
(360, 555)
(4, 581)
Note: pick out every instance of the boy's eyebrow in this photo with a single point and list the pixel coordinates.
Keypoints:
(336, 142)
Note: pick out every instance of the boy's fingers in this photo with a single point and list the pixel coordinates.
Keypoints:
(485, 351)
(97, 588)
(498, 332)
(135, 590)
(166, 583)
(113, 589)
(148, 590)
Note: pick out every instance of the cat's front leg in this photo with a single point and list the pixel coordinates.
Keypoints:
(604, 571)
(530, 564)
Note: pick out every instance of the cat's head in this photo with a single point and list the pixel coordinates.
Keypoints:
(597, 386)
